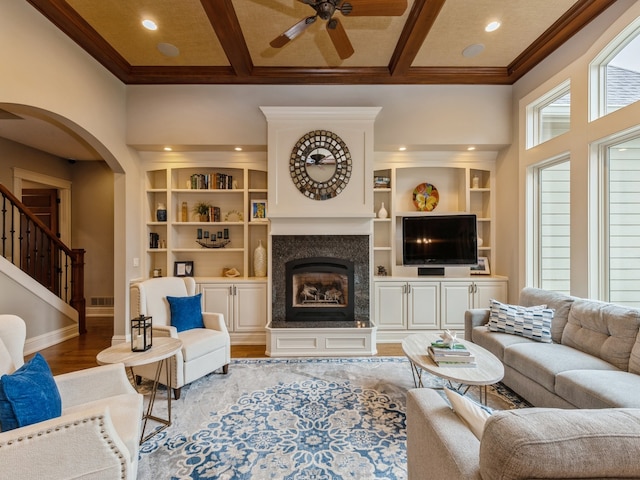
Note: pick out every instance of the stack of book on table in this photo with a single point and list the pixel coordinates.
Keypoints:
(455, 355)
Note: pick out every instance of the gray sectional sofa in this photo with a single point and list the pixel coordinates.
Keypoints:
(591, 370)
(593, 362)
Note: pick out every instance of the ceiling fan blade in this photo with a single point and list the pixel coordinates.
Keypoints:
(376, 8)
(292, 33)
(339, 38)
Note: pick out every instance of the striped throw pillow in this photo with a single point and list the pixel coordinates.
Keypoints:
(529, 322)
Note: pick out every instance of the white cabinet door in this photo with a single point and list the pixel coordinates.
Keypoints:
(485, 291)
(218, 298)
(250, 307)
(390, 305)
(423, 305)
(456, 298)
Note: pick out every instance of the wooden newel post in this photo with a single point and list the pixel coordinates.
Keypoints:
(77, 288)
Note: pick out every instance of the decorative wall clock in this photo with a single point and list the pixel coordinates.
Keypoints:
(320, 165)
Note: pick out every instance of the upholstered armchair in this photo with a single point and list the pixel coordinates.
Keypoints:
(97, 434)
(206, 347)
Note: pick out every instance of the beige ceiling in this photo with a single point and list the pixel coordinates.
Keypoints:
(227, 41)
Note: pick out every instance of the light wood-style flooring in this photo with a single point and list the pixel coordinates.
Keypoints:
(80, 352)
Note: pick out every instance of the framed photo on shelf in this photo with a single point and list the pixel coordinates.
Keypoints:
(258, 210)
(183, 269)
(482, 268)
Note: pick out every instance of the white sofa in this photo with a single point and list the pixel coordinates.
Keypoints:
(96, 437)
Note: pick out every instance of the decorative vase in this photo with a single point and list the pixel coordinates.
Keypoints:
(382, 213)
(260, 260)
(480, 242)
(475, 182)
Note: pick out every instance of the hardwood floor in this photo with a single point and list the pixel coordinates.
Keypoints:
(80, 352)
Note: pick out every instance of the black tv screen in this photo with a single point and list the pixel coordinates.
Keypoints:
(440, 240)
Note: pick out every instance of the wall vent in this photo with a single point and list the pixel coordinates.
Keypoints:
(102, 301)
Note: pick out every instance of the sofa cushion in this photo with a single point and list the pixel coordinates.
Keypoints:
(634, 358)
(470, 412)
(201, 341)
(602, 329)
(495, 342)
(553, 443)
(529, 322)
(599, 388)
(541, 362)
(561, 304)
(186, 312)
(29, 395)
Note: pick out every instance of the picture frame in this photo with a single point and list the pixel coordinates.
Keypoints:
(183, 269)
(482, 268)
(258, 210)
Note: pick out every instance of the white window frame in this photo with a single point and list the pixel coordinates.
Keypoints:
(534, 119)
(534, 247)
(598, 69)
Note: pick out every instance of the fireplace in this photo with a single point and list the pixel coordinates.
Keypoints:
(319, 288)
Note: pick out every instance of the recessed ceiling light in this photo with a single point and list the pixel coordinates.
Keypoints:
(238, 149)
(492, 27)
(473, 50)
(168, 49)
(402, 149)
(149, 24)
(168, 149)
(471, 149)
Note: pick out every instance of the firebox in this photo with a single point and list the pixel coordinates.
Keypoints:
(319, 288)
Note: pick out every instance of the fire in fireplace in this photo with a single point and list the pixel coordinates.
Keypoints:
(319, 288)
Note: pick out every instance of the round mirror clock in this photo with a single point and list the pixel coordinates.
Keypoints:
(320, 165)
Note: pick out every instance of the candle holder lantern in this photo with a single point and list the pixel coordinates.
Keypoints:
(141, 334)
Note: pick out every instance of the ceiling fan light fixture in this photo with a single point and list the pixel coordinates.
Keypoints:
(168, 50)
(473, 50)
(492, 26)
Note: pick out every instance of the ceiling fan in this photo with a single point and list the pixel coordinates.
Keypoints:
(325, 10)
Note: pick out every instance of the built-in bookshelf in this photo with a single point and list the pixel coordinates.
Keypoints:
(208, 217)
(463, 187)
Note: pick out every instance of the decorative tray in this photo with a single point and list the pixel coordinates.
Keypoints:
(219, 244)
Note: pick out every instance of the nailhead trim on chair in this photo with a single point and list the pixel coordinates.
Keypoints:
(105, 437)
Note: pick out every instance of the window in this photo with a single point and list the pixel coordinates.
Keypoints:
(616, 74)
(549, 116)
(552, 217)
(621, 240)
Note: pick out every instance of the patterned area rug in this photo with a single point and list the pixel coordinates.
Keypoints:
(303, 419)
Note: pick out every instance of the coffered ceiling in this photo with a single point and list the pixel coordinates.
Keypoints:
(228, 41)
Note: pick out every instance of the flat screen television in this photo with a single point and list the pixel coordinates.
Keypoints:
(440, 240)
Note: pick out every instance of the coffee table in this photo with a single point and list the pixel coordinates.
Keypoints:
(162, 350)
(489, 369)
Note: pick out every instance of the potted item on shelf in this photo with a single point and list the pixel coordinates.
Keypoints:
(202, 209)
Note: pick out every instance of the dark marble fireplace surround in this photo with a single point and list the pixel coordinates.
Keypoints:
(354, 248)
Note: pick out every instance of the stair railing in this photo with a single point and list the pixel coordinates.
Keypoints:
(31, 246)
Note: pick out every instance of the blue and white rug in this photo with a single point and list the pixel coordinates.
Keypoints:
(303, 419)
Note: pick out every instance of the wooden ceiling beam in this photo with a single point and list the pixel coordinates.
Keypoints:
(419, 23)
(224, 21)
(574, 20)
(78, 29)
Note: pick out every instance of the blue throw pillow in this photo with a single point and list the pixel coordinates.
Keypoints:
(186, 312)
(29, 395)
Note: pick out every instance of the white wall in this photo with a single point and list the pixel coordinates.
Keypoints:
(571, 62)
(46, 70)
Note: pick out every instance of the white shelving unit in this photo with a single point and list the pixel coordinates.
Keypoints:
(178, 238)
(403, 301)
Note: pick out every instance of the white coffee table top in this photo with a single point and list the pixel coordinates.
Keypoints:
(162, 347)
(489, 369)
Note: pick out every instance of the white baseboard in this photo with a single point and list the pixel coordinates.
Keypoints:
(99, 311)
(35, 344)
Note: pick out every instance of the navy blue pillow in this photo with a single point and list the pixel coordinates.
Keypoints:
(186, 312)
(29, 395)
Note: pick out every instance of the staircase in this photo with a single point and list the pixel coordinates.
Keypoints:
(30, 245)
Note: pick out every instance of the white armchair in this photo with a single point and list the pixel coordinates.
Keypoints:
(204, 350)
(97, 435)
